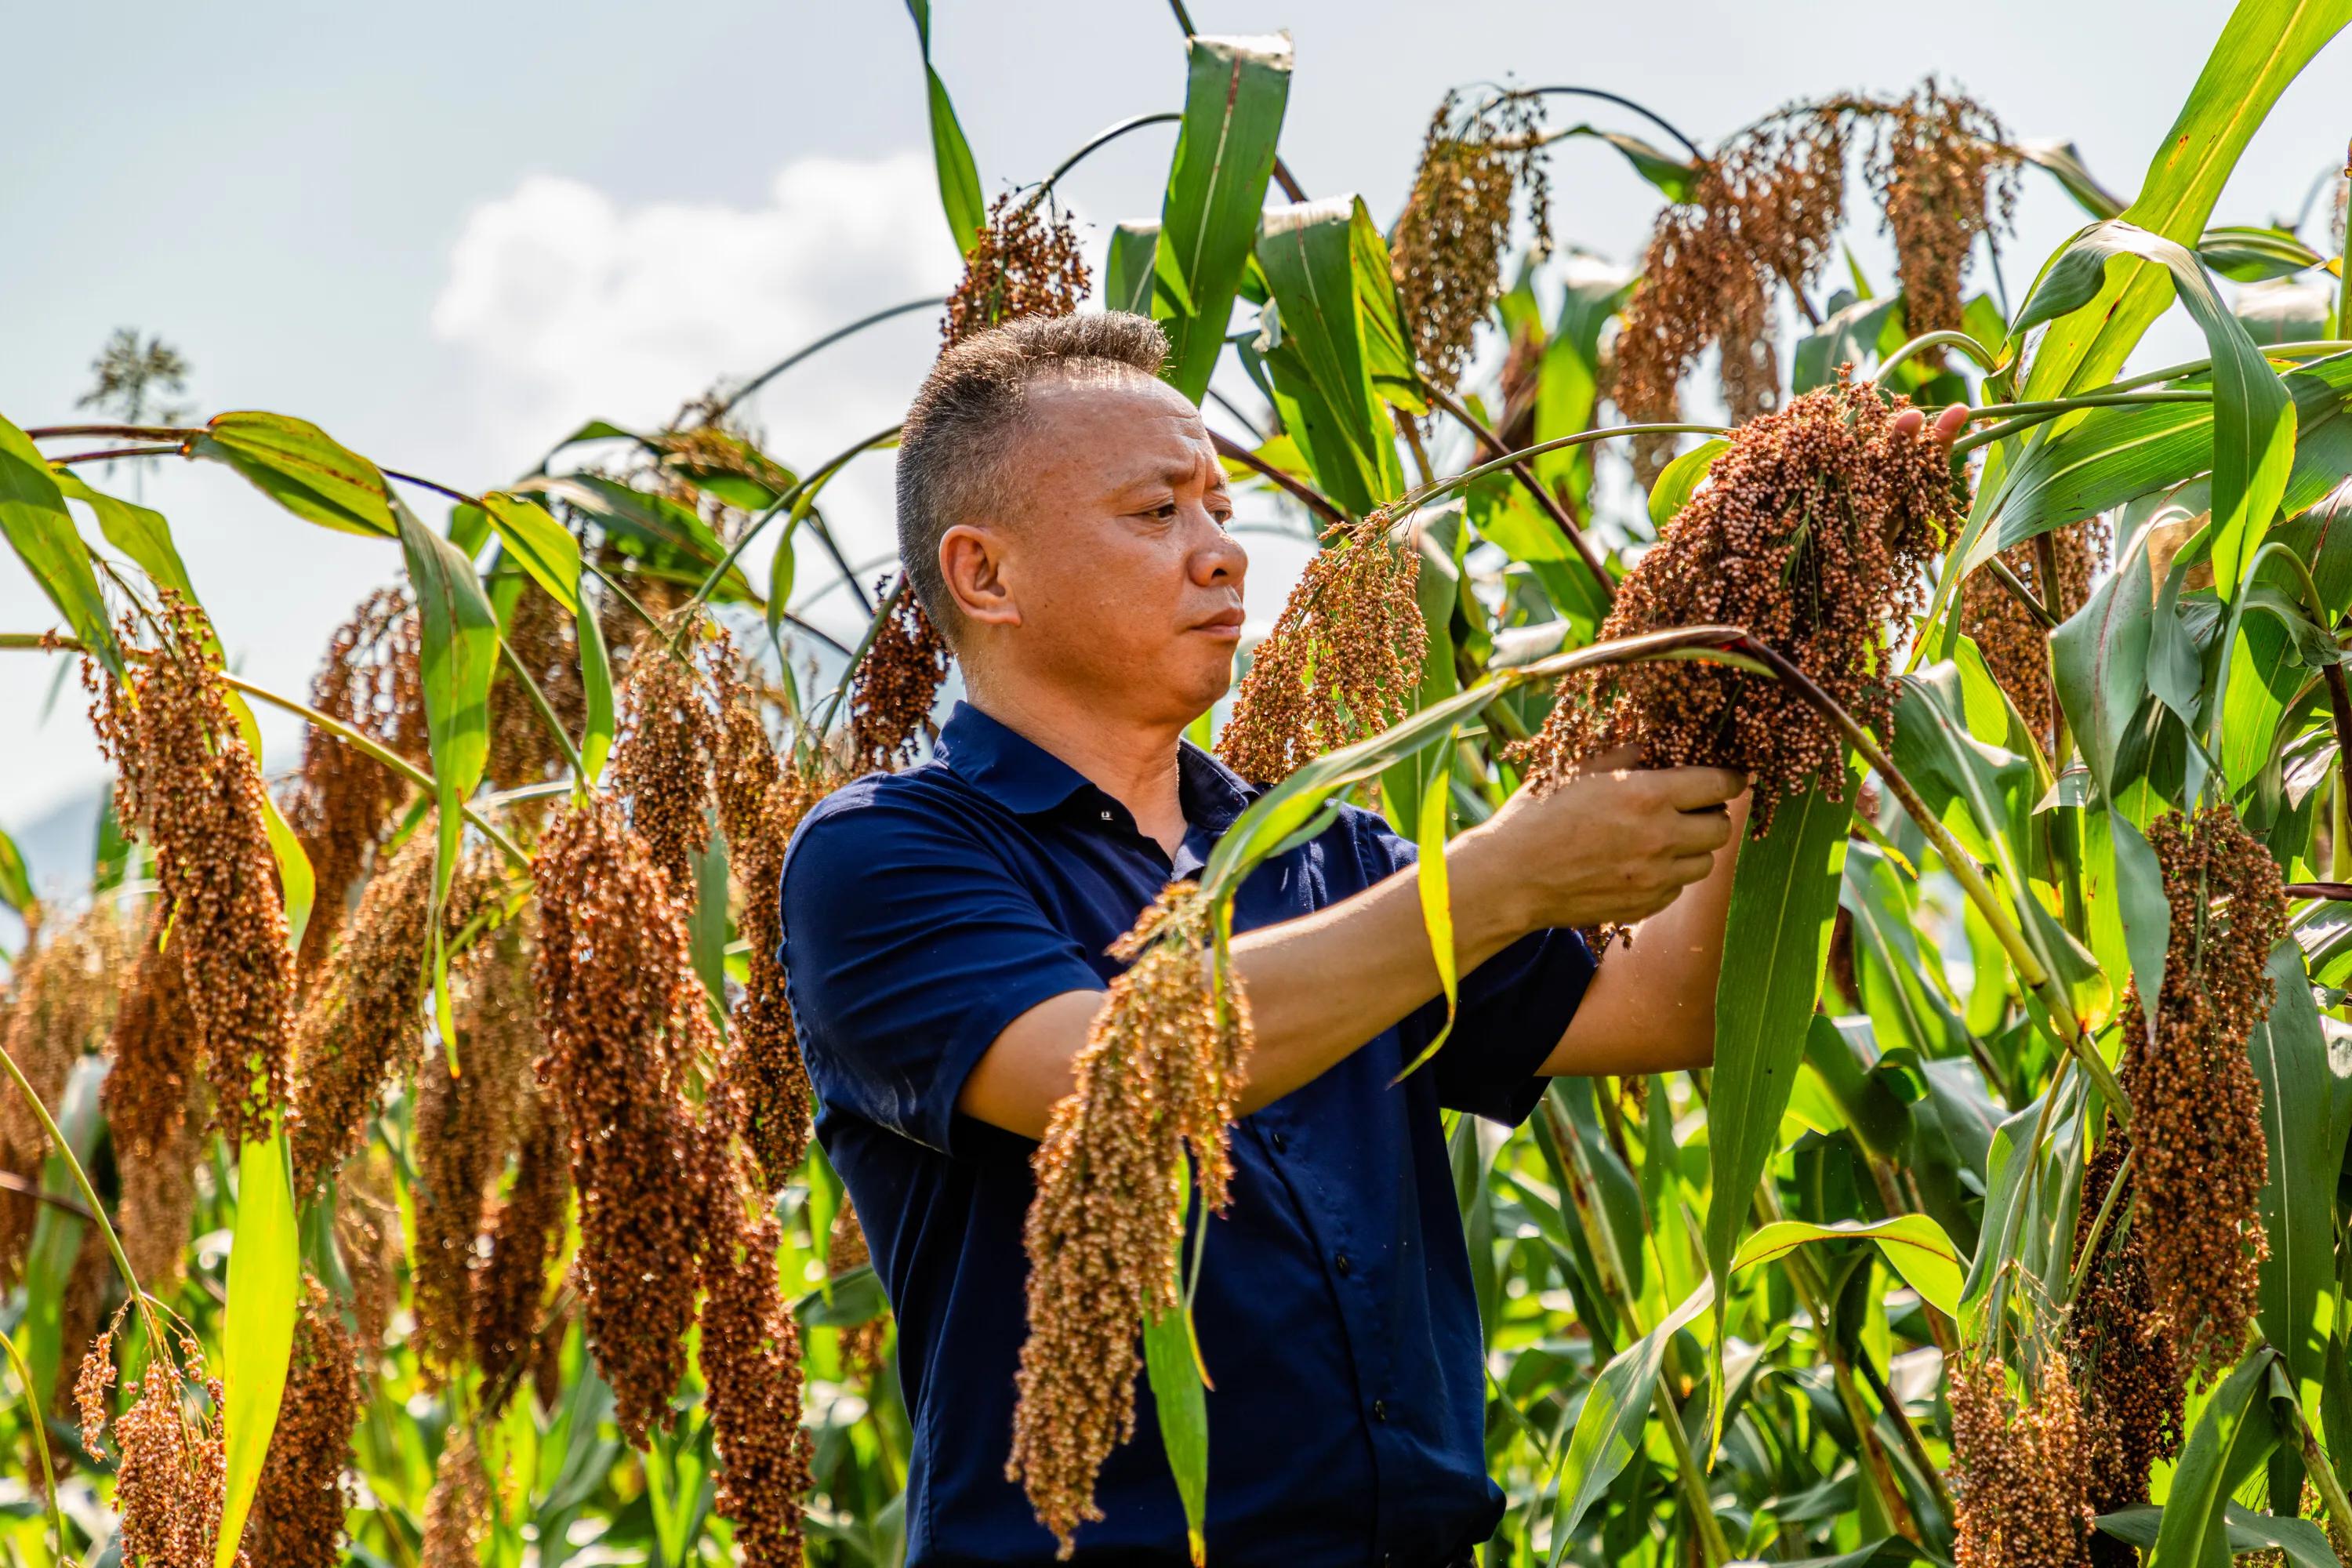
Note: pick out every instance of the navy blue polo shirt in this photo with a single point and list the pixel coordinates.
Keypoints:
(924, 911)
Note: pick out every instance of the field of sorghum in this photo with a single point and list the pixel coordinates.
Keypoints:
(407, 1161)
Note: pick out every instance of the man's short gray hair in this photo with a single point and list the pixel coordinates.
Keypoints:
(961, 428)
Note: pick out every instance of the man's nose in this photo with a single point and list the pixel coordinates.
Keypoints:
(1220, 559)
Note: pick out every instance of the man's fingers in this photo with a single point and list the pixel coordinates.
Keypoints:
(1689, 868)
(1695, 789)
(1951, 422)
(1617, 759)
(1909, 422)
(1699, 832)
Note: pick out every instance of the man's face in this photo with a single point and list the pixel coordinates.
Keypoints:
(1127, 586)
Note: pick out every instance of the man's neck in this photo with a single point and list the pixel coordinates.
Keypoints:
(1132, 763)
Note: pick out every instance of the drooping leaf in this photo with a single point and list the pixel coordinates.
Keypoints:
(1436, 895)
(2244, 1530)
(33, 514)
(596, 687)
(138, 532)
(16, 881)
(1234, 100)
(258, 1324)
(543, 547)
(1681, 478)
(1128, 267)
(2253, 253)
(1172, 1362)
(1609, 1427)
(302, 469)
(960, 194)
(2253, 420)
(1784, 895)
(2064, 162)
(2306, 1115)
(1914, 1245)
(2231, 1436)
(56, 1242)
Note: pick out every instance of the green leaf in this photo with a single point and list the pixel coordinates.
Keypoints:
(136, 531)
(670, 538)
(33, 514)
(2263, 46)
(302, 469)
(2230, 1437)
(457, 657)
(296, 882)
(16, 881)
(2306, 1116)
(56, 1241)
(856, 1297)
(1234, 99)
(1681, 478)
(543, 547)
(1672, 176)
(1328, 270)
(258, 1324)
(1171, 1361)
(959, 196)
(1609, 1428)
(2253, 420)
(2244, 1530)
(2065, 163)
(2247, 253)
(1784, 893)
(1126, 269)
(596, 685)
(2098, 659)
(1436, 899)
(1913, 1244)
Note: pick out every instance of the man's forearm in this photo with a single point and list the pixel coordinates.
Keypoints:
(1319, 987)
(1652, 1007)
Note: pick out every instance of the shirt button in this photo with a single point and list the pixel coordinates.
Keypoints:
(1105, 816)
(1380, 1409)
(1341, 1263)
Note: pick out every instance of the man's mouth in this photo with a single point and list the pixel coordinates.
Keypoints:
(1226, 624)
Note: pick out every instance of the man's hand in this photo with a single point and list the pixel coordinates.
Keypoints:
(1613, 844)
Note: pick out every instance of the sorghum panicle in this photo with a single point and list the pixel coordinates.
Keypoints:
(2134, 1385)
(2017, 1476)
(1812, 534)
(845, 1249)
(1159, 1076)
(368, 1237)
(297, 1514)
(153, 1097)
(761, 800)
(1343, 661)
(525, 1232)
(899, 678)
(466, 1126)
(750, 1347)
(61, 1005)
(661, 763)
(364, 1027)
(2196, 1105)
(522, 749)
(2015, 646)
(457, 1511)
(1021, 264)
(625, 1017)
(344, 803)
(1941, 164)
(1446, 251)
(188, 785)
(169, 1485)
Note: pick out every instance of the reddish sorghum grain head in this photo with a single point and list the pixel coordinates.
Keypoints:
(368, 1239)
(845, 1249)
(2134, 1385)
(1157, 1078)
(525, 1232)
(750, 1347)
(62, 1004)
(364, 1028)
(523, 750)
(1941, 164)
(153, 1097)
(1343, 661)
(458, 1510)
(188, 785)
(1026, 262)
(626, 1020)
(2016, 1477)
(898, 681)
(2196, 1105)
(661, 763)
(1446, 251)
(761, 799)
(172, 1470)
(466, 1126)
(344, 803)
(1813, 534)
(2015, 647)
(297, 1514)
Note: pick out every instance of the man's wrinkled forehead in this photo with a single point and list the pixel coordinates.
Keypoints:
(1123, 427)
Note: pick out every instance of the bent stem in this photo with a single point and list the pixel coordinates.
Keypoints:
(36, 642)
(826, 342)
(1299, 489)
(1967, 345)
(1549, 502)
(37, 1420)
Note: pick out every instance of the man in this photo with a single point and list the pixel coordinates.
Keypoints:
(1061, 515)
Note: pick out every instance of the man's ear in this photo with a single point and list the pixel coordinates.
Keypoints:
(971, 559)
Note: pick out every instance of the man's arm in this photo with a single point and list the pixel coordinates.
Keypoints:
(1651, 1008)
(1612, 844)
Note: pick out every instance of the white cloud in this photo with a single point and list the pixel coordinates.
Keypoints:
(574, 306)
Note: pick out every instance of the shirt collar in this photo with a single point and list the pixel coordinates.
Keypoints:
(1026, 779)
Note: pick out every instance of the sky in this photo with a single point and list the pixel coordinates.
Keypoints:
(451, 233)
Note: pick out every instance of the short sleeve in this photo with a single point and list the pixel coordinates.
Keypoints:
(908, 946)
(1511, 1011)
